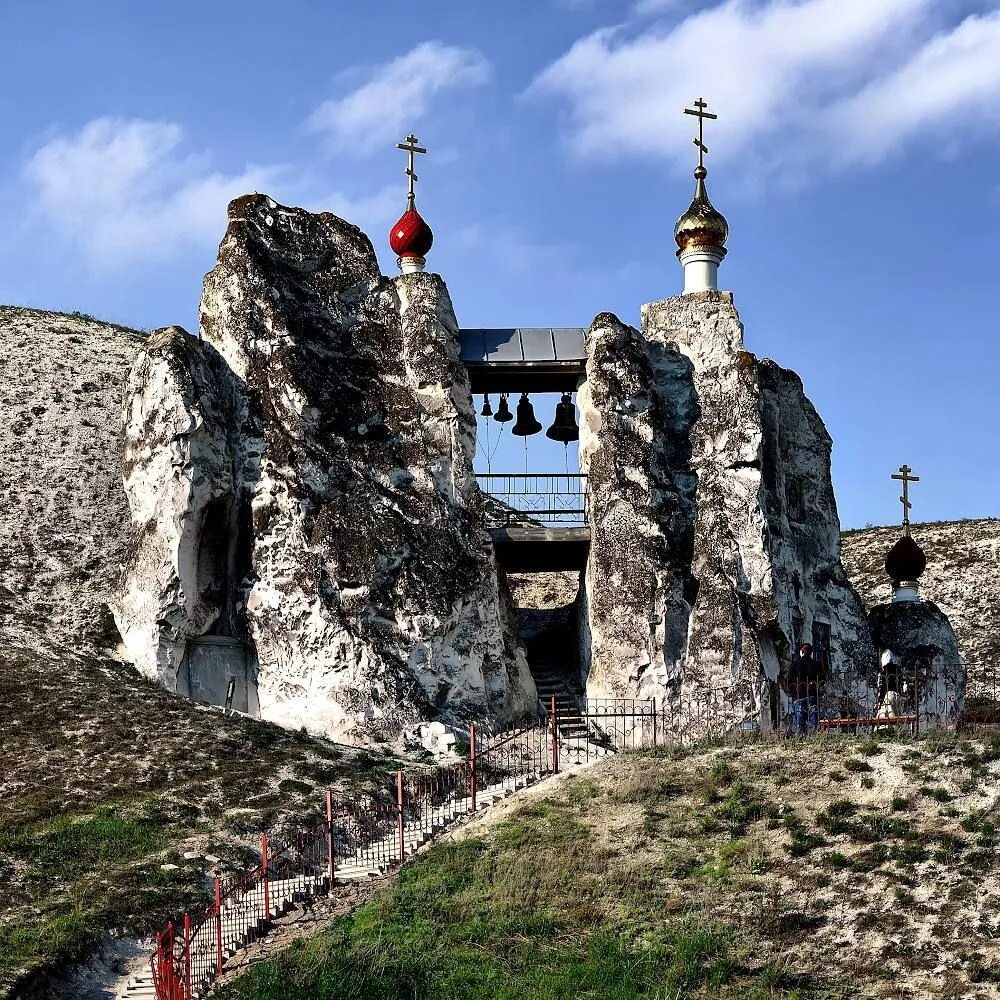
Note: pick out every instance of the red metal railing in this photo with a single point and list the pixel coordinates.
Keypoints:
(355, 839)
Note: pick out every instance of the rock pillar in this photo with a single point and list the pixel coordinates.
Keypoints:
(720, 469)
(371, 599)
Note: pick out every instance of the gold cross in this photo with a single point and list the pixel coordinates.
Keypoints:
(409, 145)
(904, 476)
(701, 114)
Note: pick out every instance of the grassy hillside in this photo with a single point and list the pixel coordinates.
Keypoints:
(107, 778)
(818, 868)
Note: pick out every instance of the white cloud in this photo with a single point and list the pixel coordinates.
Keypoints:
(122, 191)
(793, 80)
(646, 8)
(953, 80)
(396, 95)
(125, 192)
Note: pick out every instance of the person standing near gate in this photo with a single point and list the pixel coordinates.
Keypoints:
(803, 688)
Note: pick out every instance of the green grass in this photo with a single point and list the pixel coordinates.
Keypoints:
(545, 908)
(802, 841)
(935, 792)
(84, 872)
(453, 927)
(69, 845)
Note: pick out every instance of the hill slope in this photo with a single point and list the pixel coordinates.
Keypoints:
(107, 777)
(63, 515)
(712, 873)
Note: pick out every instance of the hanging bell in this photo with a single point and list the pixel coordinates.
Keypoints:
(503, 413)
(564, 428)
(487, 410)
(526, 422)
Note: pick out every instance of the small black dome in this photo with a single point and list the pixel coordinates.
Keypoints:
(905, 561)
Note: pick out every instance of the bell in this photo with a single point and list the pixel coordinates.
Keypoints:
(526, 422)
(487, 410)
(503, 413)
(564, 428)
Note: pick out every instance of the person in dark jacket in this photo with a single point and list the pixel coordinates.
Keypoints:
(803, 688)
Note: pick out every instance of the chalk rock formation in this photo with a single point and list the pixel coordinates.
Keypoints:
(633, 447)
(714, 524)
(370, 597)
(63, 514)
(178, 474)
(919, 659)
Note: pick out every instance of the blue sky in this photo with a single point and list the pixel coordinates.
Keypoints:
(856, 157)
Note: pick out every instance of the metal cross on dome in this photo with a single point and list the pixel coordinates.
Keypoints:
(409, 145)
(701, 114)
(904, 476)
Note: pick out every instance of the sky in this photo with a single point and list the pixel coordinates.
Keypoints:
(856, 158)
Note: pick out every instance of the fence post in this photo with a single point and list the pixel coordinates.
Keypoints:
(472, 762)
(555, 737)
(187, 956)
(158, 965)
(170, 977)
(654, 721)
(399, 813)
(331, 867)
(218, 924)
(263, 869)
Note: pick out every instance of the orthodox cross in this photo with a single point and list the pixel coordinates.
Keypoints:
(409, 145)
(701, 114)
(904, 476)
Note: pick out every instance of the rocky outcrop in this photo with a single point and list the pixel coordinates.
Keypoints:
(632, 441)
(178, 473)
(962, 578)
(369, 599)
(63, 513)
(921, 670)
(715, 534)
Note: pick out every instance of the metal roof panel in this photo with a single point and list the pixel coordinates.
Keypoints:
(536, 343)
(515, 345)
(569, 343)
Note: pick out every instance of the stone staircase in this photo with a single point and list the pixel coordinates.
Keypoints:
(245, 919)
(551, 683)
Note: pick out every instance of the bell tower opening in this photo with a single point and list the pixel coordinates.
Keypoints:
(537, 519)
(524, 383)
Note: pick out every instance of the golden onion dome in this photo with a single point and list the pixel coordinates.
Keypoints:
(702, 225)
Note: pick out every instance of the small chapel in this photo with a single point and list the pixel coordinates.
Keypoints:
(314, 544)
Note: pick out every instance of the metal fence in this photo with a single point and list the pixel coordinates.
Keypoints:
(355, 840)
(535, 499)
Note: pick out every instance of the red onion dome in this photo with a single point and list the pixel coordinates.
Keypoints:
(411, 236)
(905, 561)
